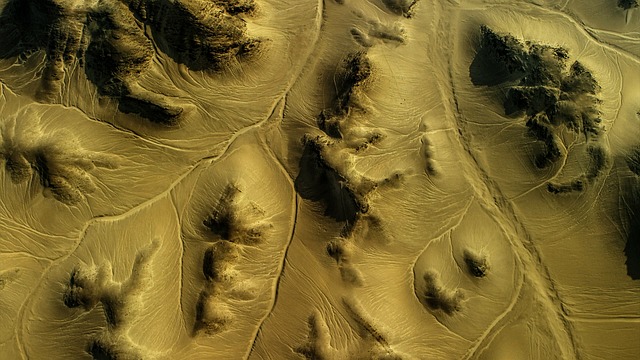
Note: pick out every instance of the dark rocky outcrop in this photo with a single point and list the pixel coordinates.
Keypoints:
(627, 4)
(550, 94)
(318, 181)
(204, 35)
(355, 70)
(400, 7)
(110, 42)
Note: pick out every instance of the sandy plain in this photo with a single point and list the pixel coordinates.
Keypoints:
(287, 179)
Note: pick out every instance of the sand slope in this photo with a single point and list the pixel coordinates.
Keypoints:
(353, 179)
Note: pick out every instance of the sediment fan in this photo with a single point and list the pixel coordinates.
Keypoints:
(319, 179)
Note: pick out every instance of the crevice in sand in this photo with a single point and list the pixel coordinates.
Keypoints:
(29, 255)
(607, 319)
(24, 227)
(181, 267)
(276, 288)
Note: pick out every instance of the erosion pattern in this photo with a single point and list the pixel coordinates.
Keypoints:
(109, 40)
(319, 179)
(550, 97)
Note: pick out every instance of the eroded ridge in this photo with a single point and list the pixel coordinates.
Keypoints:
(204, 35)
(107, 38)
(319, 180)
(437, 297)
(550, 94)
(376, 32)
(232, 221)
(400, 7)
(327, 175)
(327, 172)
(90, 285)
(318, 346)
(342, 249)
(9, 276)
(232, 227)
(212, 313)
(57, 160)
(427, 150)
(627, 4)
(345, 120)
(351, 80)
(326, 165)
(477, 263)
(372, 344)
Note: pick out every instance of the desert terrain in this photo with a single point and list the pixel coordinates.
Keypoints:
(319, 179)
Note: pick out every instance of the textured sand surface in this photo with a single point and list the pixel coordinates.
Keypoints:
(319, 179)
